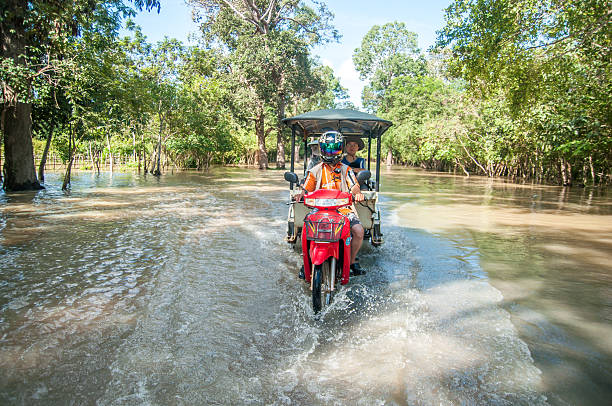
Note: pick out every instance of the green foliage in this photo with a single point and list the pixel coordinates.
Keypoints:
(266, 47)
(39, 36)
(201, 126)
(537, 75)
(386, 53)
(326, 91)
(520, 89)
(425, 112)
(100, 95)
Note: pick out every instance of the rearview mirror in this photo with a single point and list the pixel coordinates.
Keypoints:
(291, 177)
(362, 176)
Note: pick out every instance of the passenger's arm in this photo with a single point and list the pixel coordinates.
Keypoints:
(356, 192)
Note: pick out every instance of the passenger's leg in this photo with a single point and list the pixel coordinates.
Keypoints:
(356, 240)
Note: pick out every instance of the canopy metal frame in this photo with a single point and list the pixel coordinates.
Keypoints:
(350, 123)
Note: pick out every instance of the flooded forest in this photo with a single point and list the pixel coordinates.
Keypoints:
(143, 210)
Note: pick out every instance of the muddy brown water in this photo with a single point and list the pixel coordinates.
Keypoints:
(133, 290)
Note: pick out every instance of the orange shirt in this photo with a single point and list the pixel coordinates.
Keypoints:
(331, 179)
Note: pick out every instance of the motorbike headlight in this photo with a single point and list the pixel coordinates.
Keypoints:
(326, 202)
(342, 202)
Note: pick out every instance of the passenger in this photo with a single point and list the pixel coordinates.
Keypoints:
(334, 175)
(354, 144)
(315, 155)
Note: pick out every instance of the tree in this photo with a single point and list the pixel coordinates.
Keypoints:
(162, 74)
(330, 94)
(268, 43)
(50, 114)
(547, 63)
(387, 52)
(426, 113)
(93, 89)
(202, 123)
(34, 37)
(137, 102)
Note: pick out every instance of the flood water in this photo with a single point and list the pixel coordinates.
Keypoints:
(133, 290)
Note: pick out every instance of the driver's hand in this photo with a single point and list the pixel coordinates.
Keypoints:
(359, 197)
(298, 197)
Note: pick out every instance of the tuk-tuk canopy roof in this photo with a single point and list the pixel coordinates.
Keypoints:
(348, 122)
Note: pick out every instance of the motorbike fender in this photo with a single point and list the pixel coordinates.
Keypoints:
(319, 252)
(346, 261)
(346, 258)
(306, 256)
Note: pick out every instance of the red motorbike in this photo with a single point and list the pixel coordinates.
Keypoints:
(326, 244)
(326, 238)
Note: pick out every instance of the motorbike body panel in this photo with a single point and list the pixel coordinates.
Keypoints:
(326, 233)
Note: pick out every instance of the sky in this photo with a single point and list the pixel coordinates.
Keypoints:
(353, 19)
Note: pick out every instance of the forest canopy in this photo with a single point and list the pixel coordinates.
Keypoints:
(518, 89)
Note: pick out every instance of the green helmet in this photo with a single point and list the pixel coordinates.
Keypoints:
(332, 145)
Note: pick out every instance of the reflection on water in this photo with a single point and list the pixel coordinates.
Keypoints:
(180, 290)
(548, 250)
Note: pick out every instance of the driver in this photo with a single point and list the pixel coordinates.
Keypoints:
(334, 175)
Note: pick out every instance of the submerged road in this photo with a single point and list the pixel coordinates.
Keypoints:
(133, 290)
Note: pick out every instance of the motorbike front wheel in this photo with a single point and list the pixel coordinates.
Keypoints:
(316, 289)
(322, 286)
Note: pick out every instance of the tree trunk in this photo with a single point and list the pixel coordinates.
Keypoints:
(67, 174)
(43, 159)
(144, 156)
(592, 168)
(389, 158)
(297, 152)
(462, 167)
(16, 119)
(156, 171)
(139, 151)
(110, 153)
(566, 174)
(280, 143)
(472, 158)
(72, 150)
(262, 154)
(91, 158)
(19, 169)
(152, 159)
(1, 147)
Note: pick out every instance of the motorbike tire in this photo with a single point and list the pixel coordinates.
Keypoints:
(328, 293)
(316, 288)
(322, 293)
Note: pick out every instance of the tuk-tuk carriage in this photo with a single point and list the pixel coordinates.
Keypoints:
(350, 123)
